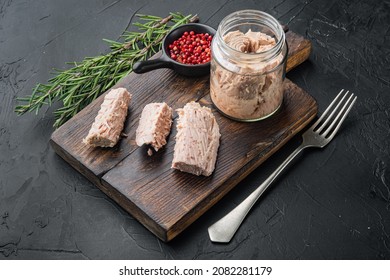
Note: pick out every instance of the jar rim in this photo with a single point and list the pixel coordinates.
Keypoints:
(276, 28)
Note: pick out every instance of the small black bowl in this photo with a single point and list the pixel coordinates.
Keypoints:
(165, 61)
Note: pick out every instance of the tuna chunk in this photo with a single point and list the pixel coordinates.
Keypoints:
(108, 124)
(197, 140)
(154, 125)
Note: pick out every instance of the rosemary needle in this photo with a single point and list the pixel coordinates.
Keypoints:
(86, 80)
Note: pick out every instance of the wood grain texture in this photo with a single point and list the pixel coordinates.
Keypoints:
(299, 49)
(166, 201)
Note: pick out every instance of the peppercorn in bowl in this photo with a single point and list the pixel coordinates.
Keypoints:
(186, 50)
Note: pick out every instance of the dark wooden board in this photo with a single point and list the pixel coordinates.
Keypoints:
(166, 201)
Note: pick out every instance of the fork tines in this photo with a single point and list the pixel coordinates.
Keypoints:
(322, 126)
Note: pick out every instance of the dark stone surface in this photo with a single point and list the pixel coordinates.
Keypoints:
(332, 204)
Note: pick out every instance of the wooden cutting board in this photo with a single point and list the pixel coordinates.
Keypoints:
(164, 200)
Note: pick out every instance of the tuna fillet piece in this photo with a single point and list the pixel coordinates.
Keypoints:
(197, 140)
(154, 125)
(108, 124)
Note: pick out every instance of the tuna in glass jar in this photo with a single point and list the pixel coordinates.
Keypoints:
(248, 65)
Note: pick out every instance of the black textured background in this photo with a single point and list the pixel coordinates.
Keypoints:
(332, 204)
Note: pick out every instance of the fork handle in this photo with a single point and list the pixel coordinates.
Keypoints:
(224, 229)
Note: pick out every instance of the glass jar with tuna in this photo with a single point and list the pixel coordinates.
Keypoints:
(248, 63)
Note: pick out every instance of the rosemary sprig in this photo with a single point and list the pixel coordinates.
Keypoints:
(86, 80)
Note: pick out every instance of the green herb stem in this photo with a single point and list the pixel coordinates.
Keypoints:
(86, 80)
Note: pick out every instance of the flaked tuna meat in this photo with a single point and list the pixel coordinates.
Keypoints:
(108, 124)
(197, 140)
(154, 125)
(253, 90)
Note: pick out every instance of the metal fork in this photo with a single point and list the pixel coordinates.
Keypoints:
(318, 135)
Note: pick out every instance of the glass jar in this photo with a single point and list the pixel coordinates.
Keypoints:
(248, 65)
